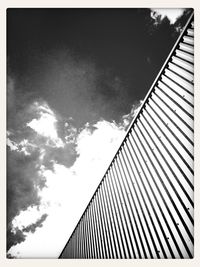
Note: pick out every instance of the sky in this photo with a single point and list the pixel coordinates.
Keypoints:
(75, 80)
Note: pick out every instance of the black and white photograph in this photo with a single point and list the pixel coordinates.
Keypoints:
(100, 133)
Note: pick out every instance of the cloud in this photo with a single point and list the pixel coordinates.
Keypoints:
(32, 227)
(68, 190)
(12, 145)
(70, 133)
(51, 173)
(16, 236)
(14, 239)
(128, 118)
(93, 141)
(22, 183)
(45, 124)
(171, 13)
(30, 146)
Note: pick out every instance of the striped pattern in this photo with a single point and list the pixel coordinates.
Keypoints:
(143, 207)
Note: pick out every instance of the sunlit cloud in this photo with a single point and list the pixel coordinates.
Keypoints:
(68, 190)
(45, 124)
(127, 118)
(171, 13)
(11, 144)
(70, 133)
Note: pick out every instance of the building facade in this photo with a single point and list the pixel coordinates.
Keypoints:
(143, 206)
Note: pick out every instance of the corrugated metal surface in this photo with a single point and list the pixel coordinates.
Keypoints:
(143, 207)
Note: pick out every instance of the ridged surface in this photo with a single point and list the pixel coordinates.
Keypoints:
(143, 207)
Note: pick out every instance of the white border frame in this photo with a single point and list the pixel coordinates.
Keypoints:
(4, 4)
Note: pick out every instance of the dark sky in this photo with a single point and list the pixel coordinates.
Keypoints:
(86, 63)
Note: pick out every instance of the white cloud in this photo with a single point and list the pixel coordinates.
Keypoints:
(171, 13)
(98, 145)
(127, 118)
(71, 133)
(45, 125)
(22, 146)
(27, 217)
(68, 190)
(12, 144)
